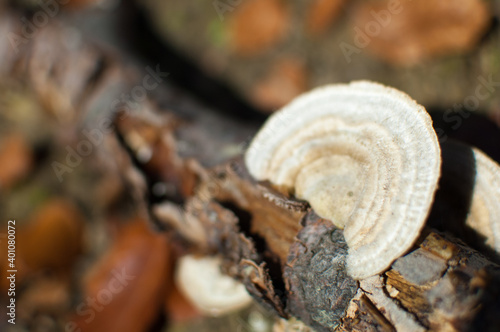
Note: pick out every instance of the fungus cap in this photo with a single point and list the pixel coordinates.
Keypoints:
(213, 293)
(364, 156)
(484, 211)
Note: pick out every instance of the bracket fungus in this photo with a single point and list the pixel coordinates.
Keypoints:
(469, 195)
(364, 156)
(213, 293)
(484, 214)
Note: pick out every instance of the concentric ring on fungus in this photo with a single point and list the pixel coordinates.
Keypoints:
(364, 156)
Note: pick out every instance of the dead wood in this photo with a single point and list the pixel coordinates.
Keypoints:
(293, 262)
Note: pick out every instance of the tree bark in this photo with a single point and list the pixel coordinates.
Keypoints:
(293, 262)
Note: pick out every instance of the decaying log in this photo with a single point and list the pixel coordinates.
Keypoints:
(293, 262)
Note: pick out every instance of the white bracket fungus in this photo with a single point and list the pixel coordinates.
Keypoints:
(469, 173)
(484, 213)
(364, 156)
(213, 293)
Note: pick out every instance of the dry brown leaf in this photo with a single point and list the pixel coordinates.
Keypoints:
(16, 159)
(128, 284)
(258, 25)
(321, 14)
(286, 80)
(178, 308)
(416, 30)
(53, 237)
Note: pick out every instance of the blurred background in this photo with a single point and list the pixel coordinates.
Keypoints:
(68, 67)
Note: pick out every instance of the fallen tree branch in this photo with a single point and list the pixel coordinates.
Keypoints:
(293, 262)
